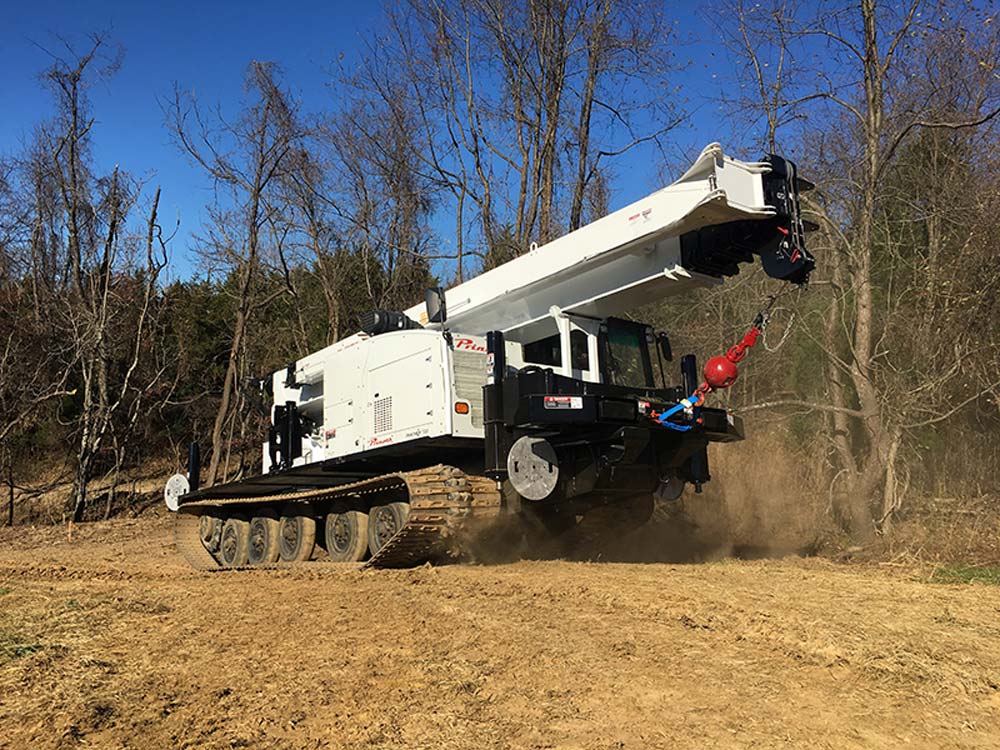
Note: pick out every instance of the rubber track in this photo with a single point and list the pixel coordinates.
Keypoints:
(446, 507)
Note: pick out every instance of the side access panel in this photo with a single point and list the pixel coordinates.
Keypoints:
(405, 393)
(344, 384)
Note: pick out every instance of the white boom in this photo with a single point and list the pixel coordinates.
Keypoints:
(619, 262)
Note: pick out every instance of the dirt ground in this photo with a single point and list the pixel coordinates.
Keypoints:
(109, 641)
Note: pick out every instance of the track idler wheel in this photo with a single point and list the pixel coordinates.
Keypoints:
(235, 547)
(296, 534)
(264, 539)
(383, 523)
(346, 535)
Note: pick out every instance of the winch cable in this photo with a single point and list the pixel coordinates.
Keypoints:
(784, 334)
(720, 371)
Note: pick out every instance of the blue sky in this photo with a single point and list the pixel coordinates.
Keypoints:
(205, 47)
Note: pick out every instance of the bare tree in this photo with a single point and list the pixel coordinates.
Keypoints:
(513, 108)
(890, 371)
(92, 285)
(246, 160)
(307, 196)
(384, 201)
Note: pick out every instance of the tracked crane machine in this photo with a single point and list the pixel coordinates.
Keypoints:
(519, 393)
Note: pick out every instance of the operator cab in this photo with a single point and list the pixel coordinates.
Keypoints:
(613, 351)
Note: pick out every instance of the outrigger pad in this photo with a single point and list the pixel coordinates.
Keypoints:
(780, 242)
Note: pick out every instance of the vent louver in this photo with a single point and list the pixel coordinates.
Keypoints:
(383, 414)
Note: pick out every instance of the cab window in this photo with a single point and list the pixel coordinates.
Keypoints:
(548, 351)
(625, 354)
(544, 351)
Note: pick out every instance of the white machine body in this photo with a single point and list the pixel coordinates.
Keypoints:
(366, 392)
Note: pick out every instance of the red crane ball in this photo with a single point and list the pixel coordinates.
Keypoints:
(720, 372)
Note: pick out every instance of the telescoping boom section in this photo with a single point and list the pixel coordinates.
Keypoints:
(649, 250)
(523, 391)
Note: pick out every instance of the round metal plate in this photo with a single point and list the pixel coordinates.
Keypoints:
(177, 486)
(670, 488)
(533, 467)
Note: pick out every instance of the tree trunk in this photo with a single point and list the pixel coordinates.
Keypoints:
(595, 51)
(871, 473)
(80, 490)
(10, 493)
(222, 412)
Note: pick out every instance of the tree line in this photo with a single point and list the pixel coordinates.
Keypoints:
(506, 120)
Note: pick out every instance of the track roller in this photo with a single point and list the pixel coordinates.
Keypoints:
(264, 538)
(235, 547)
(297, 533)
(210, 531)
(383, 523)
(346, 535)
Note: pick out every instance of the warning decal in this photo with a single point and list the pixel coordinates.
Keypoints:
(564, 402)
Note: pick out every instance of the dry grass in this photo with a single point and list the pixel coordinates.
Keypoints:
(959, 531)
(45, 497)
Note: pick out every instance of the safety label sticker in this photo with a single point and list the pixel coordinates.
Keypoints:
(564, 402)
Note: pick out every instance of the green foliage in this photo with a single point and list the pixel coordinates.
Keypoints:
(958, 573)
(14, 645)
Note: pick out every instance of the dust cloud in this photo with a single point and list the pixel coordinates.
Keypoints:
(761, 502)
